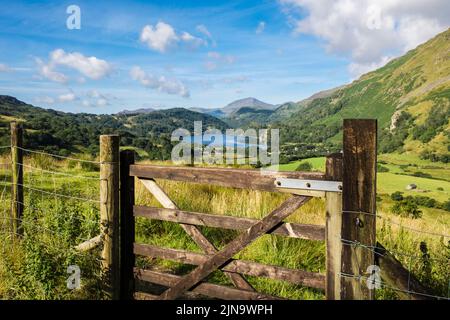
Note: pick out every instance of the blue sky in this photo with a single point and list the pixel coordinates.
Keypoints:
(135, 54)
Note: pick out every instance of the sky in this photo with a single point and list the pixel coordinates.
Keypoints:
(107, 56)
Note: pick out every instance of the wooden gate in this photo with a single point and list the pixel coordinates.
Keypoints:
(351, 174)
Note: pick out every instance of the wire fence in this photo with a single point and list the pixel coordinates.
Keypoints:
(412, 259)
(61, 210)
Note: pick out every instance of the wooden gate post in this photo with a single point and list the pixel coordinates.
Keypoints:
(127, 224)
(17, 178)
(109, 213)
(333, 203)
(358, 233)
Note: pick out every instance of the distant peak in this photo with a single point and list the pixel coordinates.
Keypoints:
(137, 111)
(247, 102)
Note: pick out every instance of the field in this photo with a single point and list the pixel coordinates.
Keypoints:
(35, 267)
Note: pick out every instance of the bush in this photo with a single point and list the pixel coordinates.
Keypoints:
(446, 205)
(406, 208)
(397, 196)
(422, 175)
(304, 166)
(381, 168)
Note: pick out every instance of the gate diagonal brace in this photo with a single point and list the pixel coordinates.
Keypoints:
(220, 258)
(237, 279)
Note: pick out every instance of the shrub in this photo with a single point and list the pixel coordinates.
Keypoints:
(381, 168)
(397, 196)
(446, 205)
(304, 166)
(422, 174)
(406, 208)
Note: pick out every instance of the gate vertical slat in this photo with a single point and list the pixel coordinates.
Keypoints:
(333, 204)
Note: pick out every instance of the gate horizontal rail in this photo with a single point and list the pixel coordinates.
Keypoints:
(293, 230)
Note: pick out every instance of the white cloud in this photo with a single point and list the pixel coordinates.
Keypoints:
(217, 59)
(91, 67)
(214, 55)
(163, 36)
(260, 28)
(202, 29)
(159, 38)
(67, 97)
(369, 31)
(193, 41)
(46, 99)
(47, 72)
(162, 84)
(86, 103)
(102, 102)
(94, 94)
(235, 79)
(95, 98)
(4, 68)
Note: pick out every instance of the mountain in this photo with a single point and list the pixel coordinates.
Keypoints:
(135, 112)
(287, 109)
(65, 133)
(410, 97)
(217, 112)
(247, 102)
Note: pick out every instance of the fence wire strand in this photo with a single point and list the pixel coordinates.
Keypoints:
(398, 223)
(383, 284)
(62, 157)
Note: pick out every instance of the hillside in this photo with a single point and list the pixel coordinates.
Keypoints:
(65, 133)
(410, 97)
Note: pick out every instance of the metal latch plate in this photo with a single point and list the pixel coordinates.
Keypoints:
(313, 185)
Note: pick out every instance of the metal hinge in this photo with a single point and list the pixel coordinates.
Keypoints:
(311, 185)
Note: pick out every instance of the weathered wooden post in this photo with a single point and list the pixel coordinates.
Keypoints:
(358, 232)
(17, 178)
(109, 213)
(333, 202)
(127, 225)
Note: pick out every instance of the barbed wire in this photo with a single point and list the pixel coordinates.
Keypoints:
(381, 283)
(63, 157)
(5, 147)
(52, 193)
(10, 234)
(397, 223)
(34, 226)
(376, 250)
(82, 219)
(58, 172)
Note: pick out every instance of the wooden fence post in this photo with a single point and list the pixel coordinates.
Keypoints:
(109, 213)
(358, 207)
(127, 225)
(17, 178)
(333, 202)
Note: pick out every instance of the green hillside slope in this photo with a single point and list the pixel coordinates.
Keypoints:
(410, 97)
